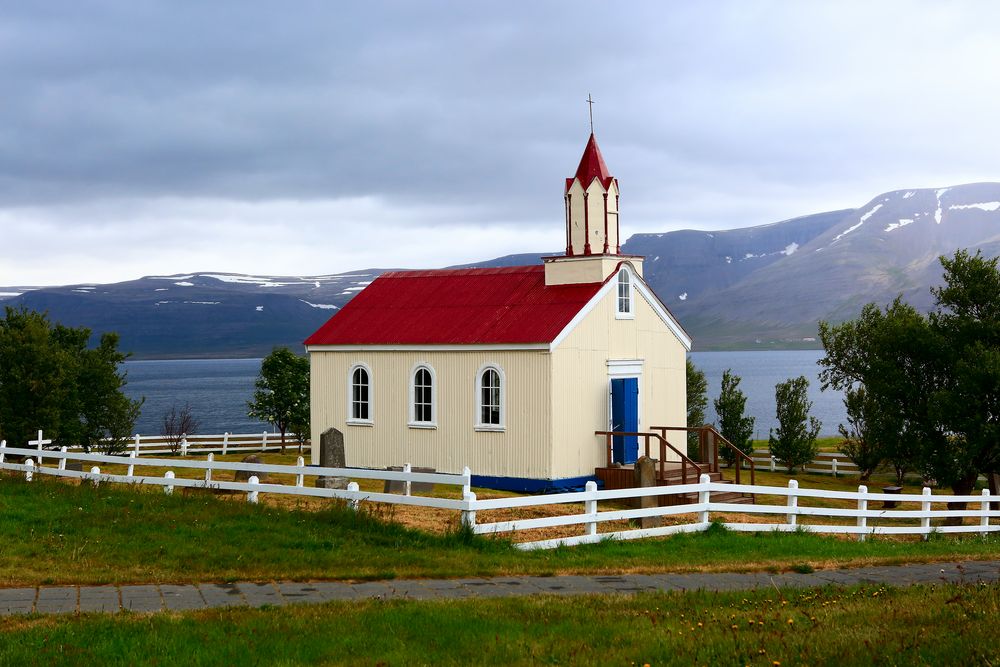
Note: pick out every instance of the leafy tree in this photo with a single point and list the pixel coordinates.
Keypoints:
(967, 398)
(697, 401)
(793, 443)
(859, 445)
(734, 425)
(282, 391)
(51, 379)
(935, 380)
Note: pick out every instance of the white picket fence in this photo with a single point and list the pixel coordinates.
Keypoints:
(825, 463)
(860, 520)
(252, 487)
(220, 443)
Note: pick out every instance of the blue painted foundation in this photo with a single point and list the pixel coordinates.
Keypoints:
(528, 485)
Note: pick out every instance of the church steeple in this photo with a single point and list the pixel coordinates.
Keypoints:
(593, 236)
(591, 200)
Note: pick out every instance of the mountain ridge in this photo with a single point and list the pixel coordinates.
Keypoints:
(761, 287)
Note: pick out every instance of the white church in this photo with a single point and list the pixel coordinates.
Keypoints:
(509, 371)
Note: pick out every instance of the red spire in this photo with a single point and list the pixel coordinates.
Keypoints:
(592, 166)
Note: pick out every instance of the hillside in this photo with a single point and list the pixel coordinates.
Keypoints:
(752, 288)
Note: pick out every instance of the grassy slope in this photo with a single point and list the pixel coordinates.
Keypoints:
(860, 626)
(51, 532)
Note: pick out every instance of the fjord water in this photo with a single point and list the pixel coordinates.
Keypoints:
(218, 389)
(759, 373)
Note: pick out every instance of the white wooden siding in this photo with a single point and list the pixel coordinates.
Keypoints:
(521, 450)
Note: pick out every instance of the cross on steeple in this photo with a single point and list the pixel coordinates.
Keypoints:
(590, 101)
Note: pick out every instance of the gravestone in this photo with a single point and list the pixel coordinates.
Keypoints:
(245, 475)
(393, 486)
(331, 455)
(645, 477)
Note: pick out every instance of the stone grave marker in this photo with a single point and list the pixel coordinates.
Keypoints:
(331, 455)
(245, 475)
(393, 486)
(645, 477)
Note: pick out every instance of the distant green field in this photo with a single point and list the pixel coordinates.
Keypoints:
(52, 532)
(940, 625)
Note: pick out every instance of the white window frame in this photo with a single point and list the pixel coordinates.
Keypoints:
(413, 423)
(479, 425)
(629, 280)
(351, 419)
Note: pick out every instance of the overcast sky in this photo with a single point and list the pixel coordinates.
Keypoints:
(303, 138)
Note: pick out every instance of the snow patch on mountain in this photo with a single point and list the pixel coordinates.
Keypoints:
(909, 194)
(985, 206)
(184, 283)
(683, 297)
(862, 221)
(790, 248)
(938, 212)
(903, 222)
(326, 306)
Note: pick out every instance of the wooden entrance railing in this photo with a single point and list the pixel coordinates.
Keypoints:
(664, 445)
(708, 445)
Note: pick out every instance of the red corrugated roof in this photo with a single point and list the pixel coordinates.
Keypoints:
(591, 166)
(456, 307)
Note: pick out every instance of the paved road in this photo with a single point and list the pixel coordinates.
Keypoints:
(152, 598)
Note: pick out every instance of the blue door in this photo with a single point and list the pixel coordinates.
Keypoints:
(625, 417)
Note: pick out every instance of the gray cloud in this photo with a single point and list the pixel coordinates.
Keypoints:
(459, 117)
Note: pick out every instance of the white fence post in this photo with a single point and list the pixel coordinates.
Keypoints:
(131, 466)
(466, 473)
(862, 507)
(354, 503)
(252, 494)
(300, 479)
(263, 441)
(138, 439)
(772, 464)
(184, 444)
(985, 507)
(925, 506)
(793, 503)
(833, 466)
(169, 488)
(225, 443)
(704, 497)
(29, 473)
(97, 475)
(590, 507)
(407, 485)
(62, 461)
(469, 515)
(208, 470)
(3, 446)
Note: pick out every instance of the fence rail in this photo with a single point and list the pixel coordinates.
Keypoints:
(217, 443)
(704, 506)
(252, 487)
(859, 519)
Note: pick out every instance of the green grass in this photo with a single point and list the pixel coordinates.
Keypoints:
(942, 625)
(54, 533)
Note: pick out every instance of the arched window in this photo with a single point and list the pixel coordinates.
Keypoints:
(490, 399)
(422, 397)
(360, 395)
(624, 293)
